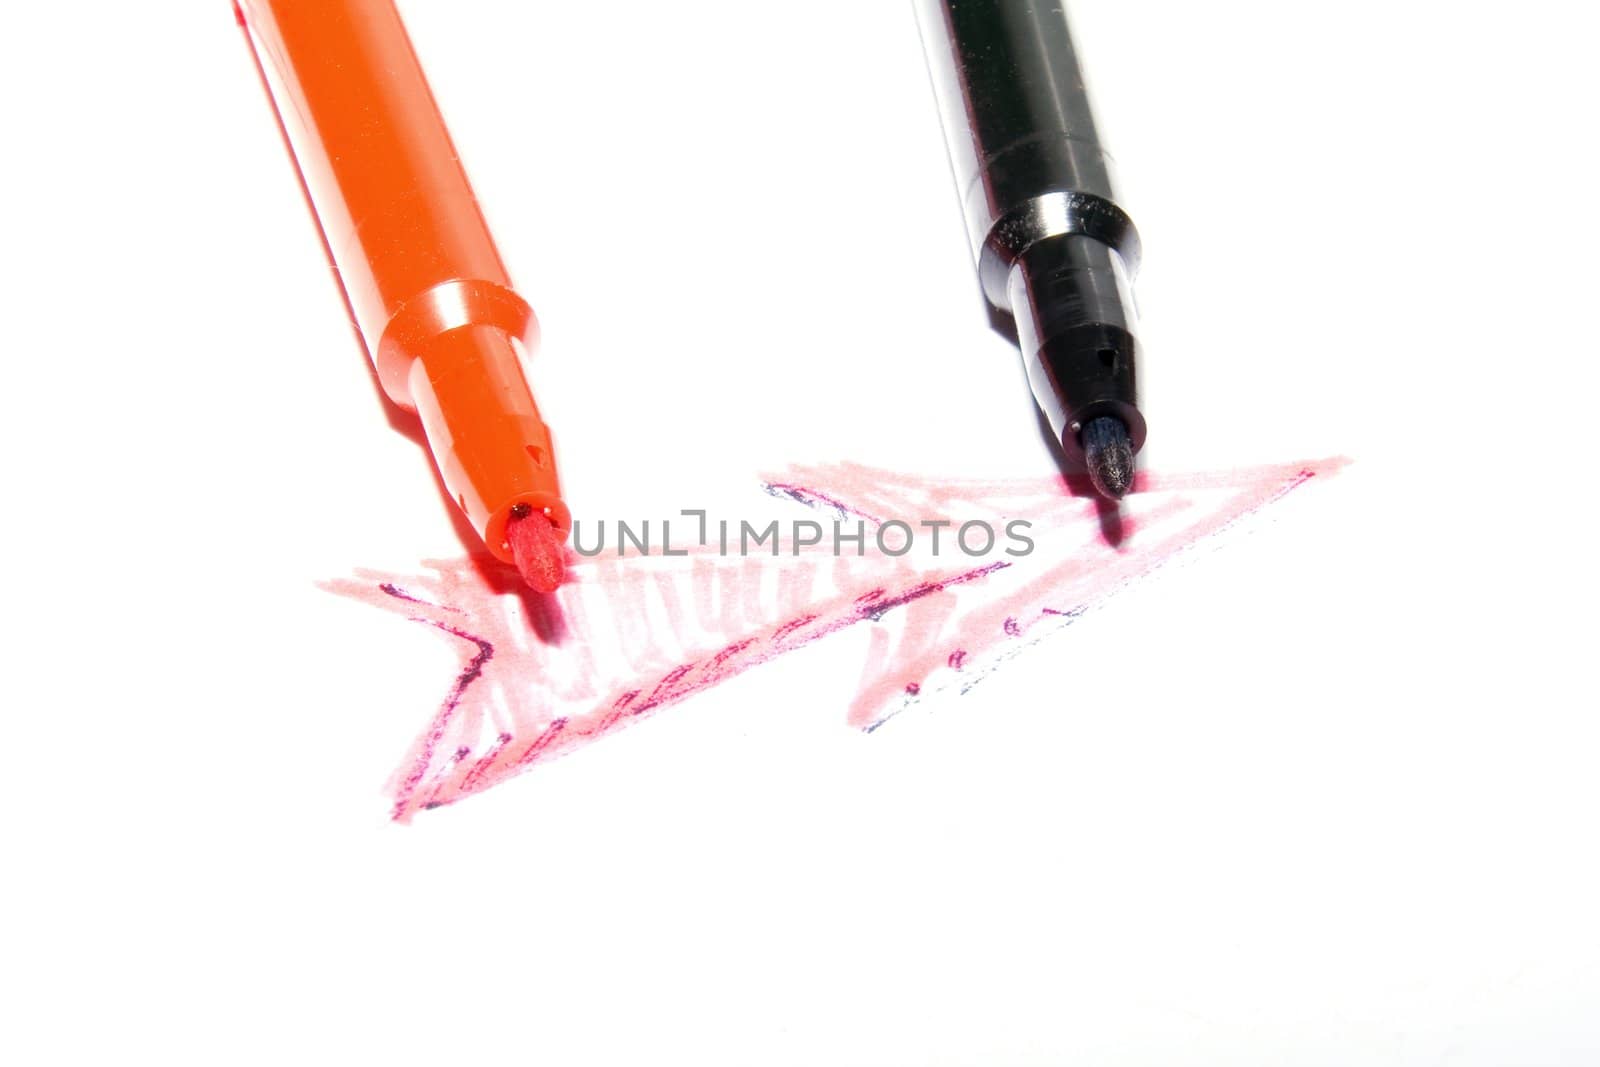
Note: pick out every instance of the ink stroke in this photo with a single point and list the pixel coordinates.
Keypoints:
(630, 636)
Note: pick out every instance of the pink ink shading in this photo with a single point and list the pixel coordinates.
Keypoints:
(624, 638)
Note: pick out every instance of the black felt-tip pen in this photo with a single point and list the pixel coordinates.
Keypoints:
(1055, 253)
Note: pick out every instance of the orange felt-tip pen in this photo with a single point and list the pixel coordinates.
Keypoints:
(424, 281)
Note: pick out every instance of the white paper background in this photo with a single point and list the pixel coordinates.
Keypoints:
(1324, 795)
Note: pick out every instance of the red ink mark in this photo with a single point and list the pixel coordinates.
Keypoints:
(813, 497)
(623, 639)
(541, 742)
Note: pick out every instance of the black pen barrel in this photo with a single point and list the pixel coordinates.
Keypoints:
(1054, 250)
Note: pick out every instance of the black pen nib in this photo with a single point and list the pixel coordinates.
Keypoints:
(1109, 454)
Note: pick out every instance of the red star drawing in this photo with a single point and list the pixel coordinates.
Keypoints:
(626, 637)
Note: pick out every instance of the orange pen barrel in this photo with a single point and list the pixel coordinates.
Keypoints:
(422, 275)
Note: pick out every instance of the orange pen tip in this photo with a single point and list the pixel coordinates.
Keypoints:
(536, 547)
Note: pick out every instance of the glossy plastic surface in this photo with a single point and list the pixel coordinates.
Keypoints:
(1056, 254)
(424, 281)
